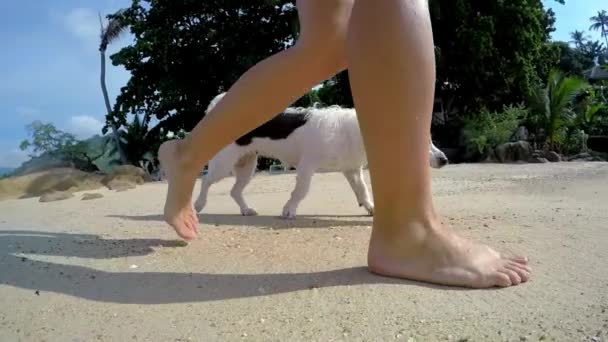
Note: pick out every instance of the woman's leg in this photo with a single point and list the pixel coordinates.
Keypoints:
(392, 72)
(262, 92)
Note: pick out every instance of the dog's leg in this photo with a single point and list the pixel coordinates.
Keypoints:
(243, 171)
(357, 183)
(304, 176)
(201, 201)
(215, 173)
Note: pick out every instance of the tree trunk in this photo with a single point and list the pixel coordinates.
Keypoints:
(104, 90)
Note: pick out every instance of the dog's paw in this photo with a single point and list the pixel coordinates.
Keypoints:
(248, 212)
(199, 206)
(288, 217)
(369, 207)
(288, 214)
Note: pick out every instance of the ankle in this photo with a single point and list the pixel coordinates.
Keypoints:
(405, 221)
(185, 156)
(176, 153)
(408, 232)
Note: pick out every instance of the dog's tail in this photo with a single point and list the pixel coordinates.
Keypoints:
(214, 102)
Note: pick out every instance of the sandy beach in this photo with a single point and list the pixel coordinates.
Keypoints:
(109, 269)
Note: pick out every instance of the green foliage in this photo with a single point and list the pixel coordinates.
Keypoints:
(551, 105)
(573, 61)
(47, 140)
(489, 52)
(486, 130)
(591, 112)
(187, 52)
(579, 38)
(140, 143)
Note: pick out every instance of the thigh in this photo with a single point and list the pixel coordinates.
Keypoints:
(324, 26)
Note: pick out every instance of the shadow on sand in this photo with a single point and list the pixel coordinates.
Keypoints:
(265, 221)
(147, 287)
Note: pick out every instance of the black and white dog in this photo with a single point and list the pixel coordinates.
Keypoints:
(309, 139)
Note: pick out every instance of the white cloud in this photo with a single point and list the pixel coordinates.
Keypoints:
(83, 23)
(84, 126)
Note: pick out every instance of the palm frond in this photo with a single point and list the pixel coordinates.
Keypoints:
(592, 112)
(600, 21)
(112, 31)
(595, 26)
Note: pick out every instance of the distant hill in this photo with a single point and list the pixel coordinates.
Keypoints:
(45, 162)
(6, 170)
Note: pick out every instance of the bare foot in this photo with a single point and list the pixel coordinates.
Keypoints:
(431, 253)
(181, 178)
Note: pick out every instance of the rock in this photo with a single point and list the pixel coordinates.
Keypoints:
(125, 177)
(91, 196)
(513, 152)
(120, 185)
(538, 156)
(40, 183)
(55, 196)
(537, 160)
(126, 174)
(582, 157)
(600, 156)
(553, 156)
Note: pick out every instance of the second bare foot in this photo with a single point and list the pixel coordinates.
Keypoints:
(429, 252)
(178, 211)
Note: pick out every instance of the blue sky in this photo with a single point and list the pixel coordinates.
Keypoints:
(49, 66)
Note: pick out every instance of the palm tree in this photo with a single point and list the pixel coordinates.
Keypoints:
(600, 23)
(578, 38)
(552, 104)
(110, 33)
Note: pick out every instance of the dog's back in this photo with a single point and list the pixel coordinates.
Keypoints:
(333, 139)
(328, 137)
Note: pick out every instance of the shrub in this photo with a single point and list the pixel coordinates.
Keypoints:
(486, 130)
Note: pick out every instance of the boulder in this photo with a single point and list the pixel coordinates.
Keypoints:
(36, 184)
(55, 196)
(553, 156)
(537, 160)
(91, 196)
(125, 177)
(511, 152)
(121, 185)
(583, 157)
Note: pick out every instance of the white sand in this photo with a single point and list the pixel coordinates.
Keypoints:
(110, 270)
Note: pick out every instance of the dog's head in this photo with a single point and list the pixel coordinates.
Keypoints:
(437, 157)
